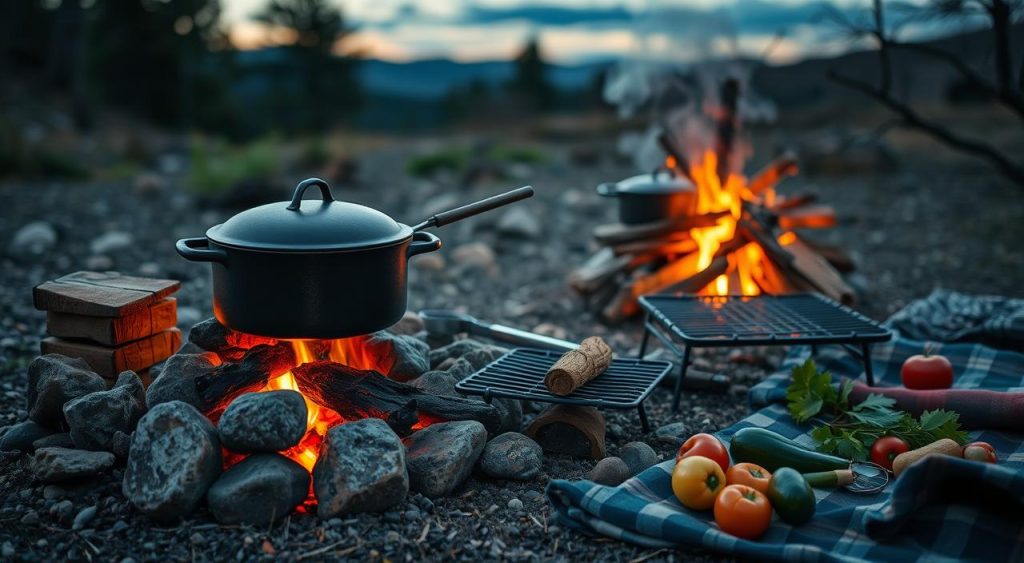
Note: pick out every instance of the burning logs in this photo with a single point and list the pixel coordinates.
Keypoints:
(356, 394)
(252, 372)
(576, 367)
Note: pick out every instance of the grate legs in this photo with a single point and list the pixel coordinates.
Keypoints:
(869, 374)
(644, 424)
(683, 365)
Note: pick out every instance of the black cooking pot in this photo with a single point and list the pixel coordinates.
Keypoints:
(317, 269)
(647, 198)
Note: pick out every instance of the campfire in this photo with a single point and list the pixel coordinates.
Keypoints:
(341, 380)
(739, 236)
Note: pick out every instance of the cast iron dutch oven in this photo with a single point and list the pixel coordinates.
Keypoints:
(647, 198)
(317, 268)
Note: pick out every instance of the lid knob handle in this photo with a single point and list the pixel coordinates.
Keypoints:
(325, 192)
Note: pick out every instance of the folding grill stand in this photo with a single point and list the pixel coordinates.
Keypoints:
(656, 327)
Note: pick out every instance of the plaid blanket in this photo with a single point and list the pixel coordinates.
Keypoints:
(941, 508)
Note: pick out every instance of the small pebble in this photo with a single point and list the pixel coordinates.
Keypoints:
(119, 525)
(31, 518)
(149, 546)
(515, 504)
(84, 517)
(7, 550)
(51, 492)
(42, 543)
(392, 517)
(335, 523)
(197, 538)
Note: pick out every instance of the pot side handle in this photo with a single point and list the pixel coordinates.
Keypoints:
(608, 189)
(199, 250)
(422, 242)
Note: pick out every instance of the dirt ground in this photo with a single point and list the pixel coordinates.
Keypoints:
(911, 229)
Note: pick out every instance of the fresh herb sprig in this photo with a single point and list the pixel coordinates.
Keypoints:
(851, 430)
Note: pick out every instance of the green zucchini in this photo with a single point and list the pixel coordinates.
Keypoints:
(829, 479)
(772, 451)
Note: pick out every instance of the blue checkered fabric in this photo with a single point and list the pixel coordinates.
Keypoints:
(940, 509)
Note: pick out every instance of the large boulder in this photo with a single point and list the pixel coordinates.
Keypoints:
(441, 456)
(177, 379)
(55, 379)
(268, 421)
(258, 490)
(361, 468)
(95, 418)
(51, 465)
(512, 456)
(174, 458)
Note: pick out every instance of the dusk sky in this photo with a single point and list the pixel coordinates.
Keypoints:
(573, 31)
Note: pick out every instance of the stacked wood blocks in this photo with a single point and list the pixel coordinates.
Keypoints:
(113, 322)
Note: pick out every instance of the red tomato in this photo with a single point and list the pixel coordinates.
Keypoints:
(705, 445)
(743, 511)
(980, 451)
(749, 474)
(885, 449)
(927, 372)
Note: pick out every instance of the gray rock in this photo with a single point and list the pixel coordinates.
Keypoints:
(259, 490)
(673, 434)
(84, 517)
(480, 357)
(268, 421)
(51, 465)
(177, 380)
(53, 380)
(111, 242)
(22, 436)
(610, 471)
(454, 350)
(461, 369)
(361, 468)
(436, 383)
(519, 222)
(515, 505)
(511, 412)
(61, 440)
(441, 456)
(175, 456)
(94, 418)
(34, 239)
(53, 492)
(407, 356)
(512, 456)
(121, 444)
(638, 457)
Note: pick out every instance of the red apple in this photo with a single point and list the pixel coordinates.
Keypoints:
(925, 371)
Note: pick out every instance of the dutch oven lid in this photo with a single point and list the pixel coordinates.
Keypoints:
(659, 182)
(310, 225)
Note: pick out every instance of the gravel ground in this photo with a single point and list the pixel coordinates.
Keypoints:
(911, 231)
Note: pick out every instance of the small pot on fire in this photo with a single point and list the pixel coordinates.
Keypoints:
(647, 198)
(317, 269)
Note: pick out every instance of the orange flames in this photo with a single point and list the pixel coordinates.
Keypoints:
(745, 265)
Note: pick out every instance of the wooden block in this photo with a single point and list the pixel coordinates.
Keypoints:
(616, 233)
(807, 217)
(569, 429)
(108, 362)
(96, 294)
(112, 331)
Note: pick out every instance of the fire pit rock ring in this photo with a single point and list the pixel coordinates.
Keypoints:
(317, 269)
(647, 198)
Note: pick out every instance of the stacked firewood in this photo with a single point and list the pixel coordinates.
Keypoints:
(663, 257)
(113, 322)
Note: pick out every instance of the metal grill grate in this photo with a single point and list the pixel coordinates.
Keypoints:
(519, 374)
(765, 319)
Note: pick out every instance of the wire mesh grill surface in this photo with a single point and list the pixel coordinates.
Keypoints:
(519, 374)
(763, 319)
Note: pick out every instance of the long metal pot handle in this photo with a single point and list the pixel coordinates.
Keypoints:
(471, 209)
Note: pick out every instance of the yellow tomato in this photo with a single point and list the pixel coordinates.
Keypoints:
(696, 481)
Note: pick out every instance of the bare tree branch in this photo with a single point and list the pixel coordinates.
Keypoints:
(913, 119)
